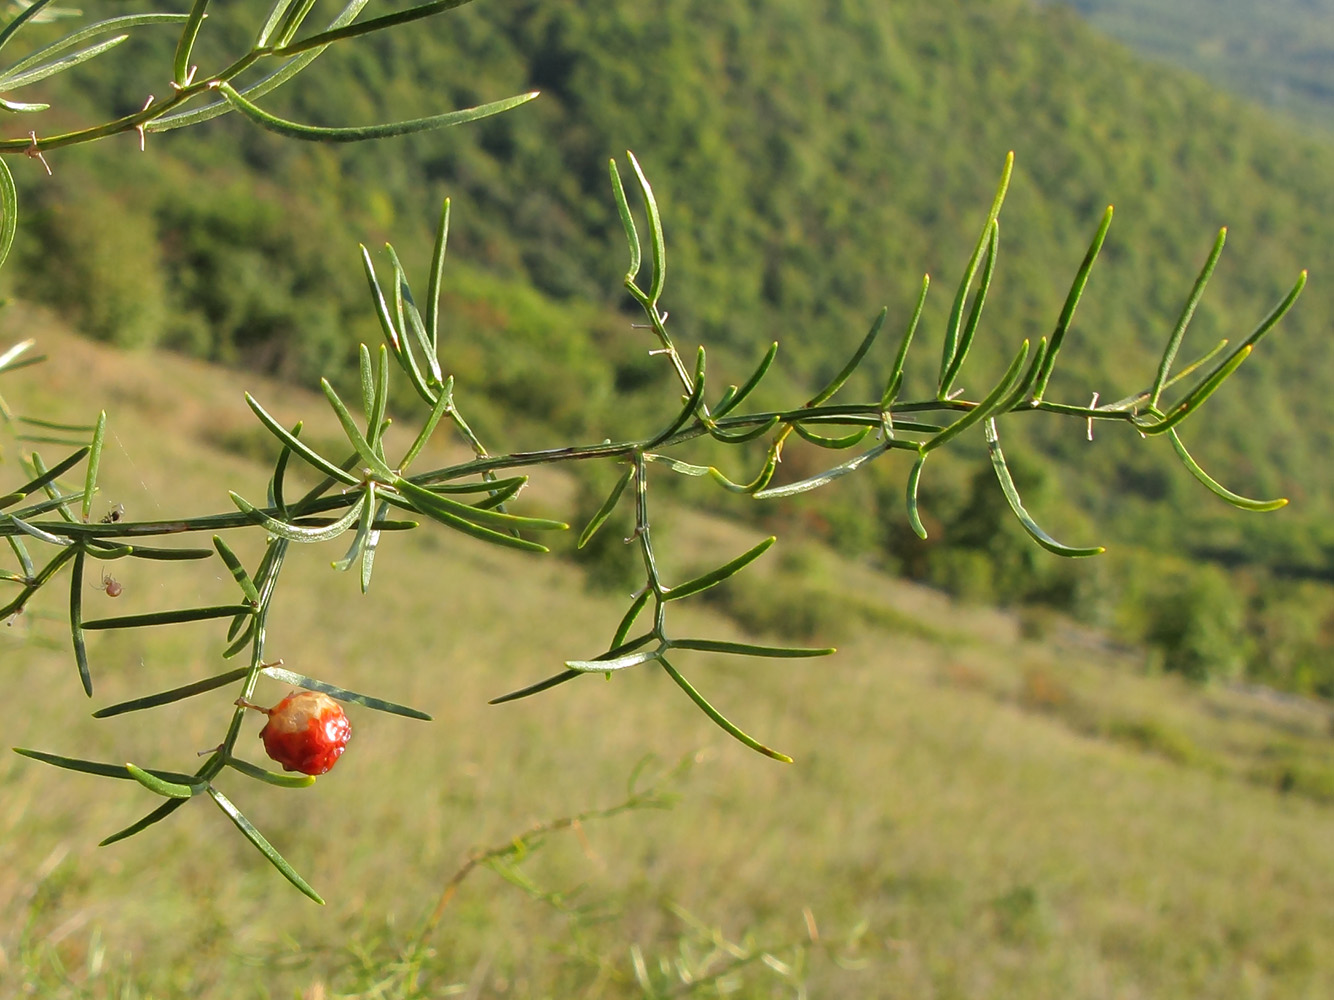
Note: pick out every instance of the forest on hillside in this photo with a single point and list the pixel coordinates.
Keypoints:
(1277, 52)
(812, 160)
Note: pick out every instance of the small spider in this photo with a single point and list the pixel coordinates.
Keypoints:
(114, 515)
(109, 585)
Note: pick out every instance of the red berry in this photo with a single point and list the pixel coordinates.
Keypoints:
(307, 732)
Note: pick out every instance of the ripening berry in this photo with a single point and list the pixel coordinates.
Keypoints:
(307, 732)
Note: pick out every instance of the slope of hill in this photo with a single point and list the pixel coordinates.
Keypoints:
(1280, 52)
(972, 810)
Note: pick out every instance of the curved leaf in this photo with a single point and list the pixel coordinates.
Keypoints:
(317, 133)
(264, 847)
(1016, 504)
(1236, 499)
(721, 720)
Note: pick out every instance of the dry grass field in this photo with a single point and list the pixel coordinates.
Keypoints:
(980, 806)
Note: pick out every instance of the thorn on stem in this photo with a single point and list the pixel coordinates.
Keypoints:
(140, 127)
(34, 152)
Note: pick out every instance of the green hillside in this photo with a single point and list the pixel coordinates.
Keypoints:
(812, 161)
(1279, 52)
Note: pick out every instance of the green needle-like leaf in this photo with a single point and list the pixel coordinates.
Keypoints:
(628, 621)
(615, 663)
(109, 551)
(38, 533)
(749, 649)
(366, 369)
(608, 505)
(278, 484)
(94, 463)
(676, 465)
(74, 39)
(1025, 384)
(748, 387)
(180, 67)
(238, 571)
(290, 440)
(1183, 321)
(914, 481)
(156, 816)
(372, 541)
(951, 353)
(1071, 301)
(1016, 504)
(241, 641)
(21, 552)
(76, 622)
(1236, 499)
(824, 478)
(264, 847)
(540, 686)
(850, 440)
(723, 572)
(296, 16)
(1196, 397)
(757, 484)
(175, 694)
(168, 617)
(655, 232)
(9, 212)
(420, 337)
(359, 441)
(437, 277)
(99, 768)
(53, 493)
(442, 403)
(627, 222)
(342, 694)
(965, 341)
(741, 437)
(838, 380)
(167, 789)
(21, 106)
(277, 13)
(410, 331)
(20, 19)
(984, 409)
(317, 133)
(446, 516)
(691, 404)
(721, 720)
(270, 777)
(487, 518)
(296, 533)
(45, 478)
(14, 79)
(895, 381)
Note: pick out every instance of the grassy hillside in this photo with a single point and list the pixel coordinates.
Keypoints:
(1280, 53)
(981, 804)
